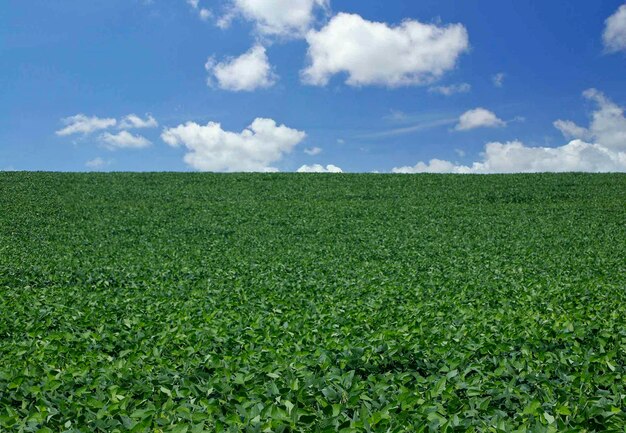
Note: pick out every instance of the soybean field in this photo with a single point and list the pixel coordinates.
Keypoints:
(188, 303)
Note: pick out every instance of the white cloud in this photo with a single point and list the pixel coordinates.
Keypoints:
(124, 140)
(434, 166)
(615, 31)
(317, 168)
(605, 153)
(203, 13)
(133, 121)
(607, 127)
(283, 18)
(225, 20)
(96, 163)
(247, 72)
(254, 149)
(313, 151)
(373, 53)
(81, 124)
(451, 90)
(498, 79)
(478, 118)
(570, 130)
(515, 157)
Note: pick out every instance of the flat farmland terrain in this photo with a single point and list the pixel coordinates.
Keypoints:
(312, 303)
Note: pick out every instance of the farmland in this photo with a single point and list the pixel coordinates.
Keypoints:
(312, 303)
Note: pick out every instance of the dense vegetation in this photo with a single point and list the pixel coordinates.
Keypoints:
(321, 303)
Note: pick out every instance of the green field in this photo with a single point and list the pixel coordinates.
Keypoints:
(312, 303)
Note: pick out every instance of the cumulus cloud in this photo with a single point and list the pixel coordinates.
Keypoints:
(478, 118)
(606, 151)
(317, 168)
(254, 149)
(133, 121)
(81, 124)
(498, 79)
(433, 166)
(515, 157)
(607, 127)
(615, 31)
(374, 53)
(248, 72)
(313, 151)
(283, 18)
(124, 140)
(451, 90)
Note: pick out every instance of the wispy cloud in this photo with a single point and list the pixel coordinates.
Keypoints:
(133, 121)
(81, 124)
(203, 13)
(124, 140)
(498, 79)
(97, 163)
(313, 151)
(451, 89)
(422, 126)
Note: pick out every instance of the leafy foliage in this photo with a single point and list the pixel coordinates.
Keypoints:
(293, 303)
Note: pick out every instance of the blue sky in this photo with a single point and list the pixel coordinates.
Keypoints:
(405, 86)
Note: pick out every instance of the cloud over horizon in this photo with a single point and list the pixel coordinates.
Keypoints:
(515, 157)
(97, 163)
(255, 149)
(605, 153)
(318, 168)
